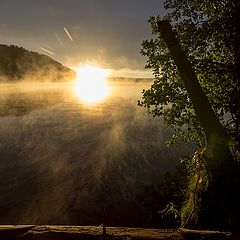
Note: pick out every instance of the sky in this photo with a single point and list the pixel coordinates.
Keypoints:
(106, 33)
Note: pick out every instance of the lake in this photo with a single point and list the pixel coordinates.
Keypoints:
(62, 158)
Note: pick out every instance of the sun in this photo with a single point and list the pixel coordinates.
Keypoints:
(91, 84)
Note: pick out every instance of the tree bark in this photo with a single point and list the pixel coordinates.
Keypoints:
(203, 108)
(222, 197)
(215, 133)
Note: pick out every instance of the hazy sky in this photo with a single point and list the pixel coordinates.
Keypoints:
(101, 32)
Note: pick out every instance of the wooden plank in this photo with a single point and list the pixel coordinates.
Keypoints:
(190, 232)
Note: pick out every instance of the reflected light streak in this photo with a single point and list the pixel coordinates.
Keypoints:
(91, 84)
(47, 51)
(68, 34)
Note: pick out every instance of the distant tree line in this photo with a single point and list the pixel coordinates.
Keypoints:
(17, 63)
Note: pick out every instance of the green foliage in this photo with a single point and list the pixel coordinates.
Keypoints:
(16, 63)
(205, 30)
(209, 34)
(198, 180)
(162, 203)
(170, 209)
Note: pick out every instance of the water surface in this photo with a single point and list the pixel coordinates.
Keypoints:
(62, 159)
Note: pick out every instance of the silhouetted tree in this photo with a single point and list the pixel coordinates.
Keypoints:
(196, 89)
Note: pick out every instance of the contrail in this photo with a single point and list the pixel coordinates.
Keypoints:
(47, 51)
(68, 34)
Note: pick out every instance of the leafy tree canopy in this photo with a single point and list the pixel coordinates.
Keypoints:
(206, 52)
(208, 33)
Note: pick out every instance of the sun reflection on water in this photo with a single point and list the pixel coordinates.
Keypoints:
(91, 84)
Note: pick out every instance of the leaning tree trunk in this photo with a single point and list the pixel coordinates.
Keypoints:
(221, 202)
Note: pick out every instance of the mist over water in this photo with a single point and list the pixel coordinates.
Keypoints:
(62, 160)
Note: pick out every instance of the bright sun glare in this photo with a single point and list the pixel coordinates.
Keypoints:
(91, 84)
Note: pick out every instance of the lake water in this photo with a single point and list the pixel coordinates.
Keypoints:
(62, 159)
